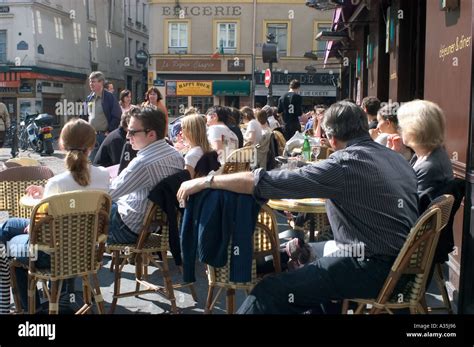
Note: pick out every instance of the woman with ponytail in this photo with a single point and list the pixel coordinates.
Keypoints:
(77, 139)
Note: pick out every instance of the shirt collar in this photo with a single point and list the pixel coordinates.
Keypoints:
(360, 139)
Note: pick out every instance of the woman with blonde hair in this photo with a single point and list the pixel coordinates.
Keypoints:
(194, 132)
(78, 140)
(422, 125)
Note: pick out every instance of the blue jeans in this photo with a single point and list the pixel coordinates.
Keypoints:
(99, 138)
(118, 231)
(13, 236)
(327, 278)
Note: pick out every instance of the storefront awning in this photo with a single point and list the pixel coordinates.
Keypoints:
(232, 88)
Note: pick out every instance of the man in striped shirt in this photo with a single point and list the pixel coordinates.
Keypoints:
(155, 160)
(372, 202)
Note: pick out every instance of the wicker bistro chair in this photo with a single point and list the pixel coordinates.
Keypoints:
(265, 242)
(13, 183)
(445, 204)
(242, 159)
(142, 255)
(414, 260)
(72, 228)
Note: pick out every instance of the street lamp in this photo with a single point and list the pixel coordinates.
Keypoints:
(270, 56)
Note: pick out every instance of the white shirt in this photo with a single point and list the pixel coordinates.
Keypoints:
(215, 133)
(192, 157)
(256, 127)
(273, 122)
(64, 182)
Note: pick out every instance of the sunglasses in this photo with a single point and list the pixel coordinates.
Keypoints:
(132, 132)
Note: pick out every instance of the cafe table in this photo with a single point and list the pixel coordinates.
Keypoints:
(28, 201)
(315, 208)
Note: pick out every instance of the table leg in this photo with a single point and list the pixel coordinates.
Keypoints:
(312, 227)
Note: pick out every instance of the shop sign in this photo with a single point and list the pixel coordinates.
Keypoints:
(317, 79)
(158, 83)
(188, 65)
(236, 65)
(194, 88)
(207, 11)
(26, 88)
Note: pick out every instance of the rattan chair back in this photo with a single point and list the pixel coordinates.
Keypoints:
(13, 183)
(72, 228)
(414, 260)
(73, 232)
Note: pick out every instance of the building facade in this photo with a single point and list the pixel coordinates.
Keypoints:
(49, 47)
(209, 52)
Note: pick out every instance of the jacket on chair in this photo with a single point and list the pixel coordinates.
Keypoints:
(211, 219)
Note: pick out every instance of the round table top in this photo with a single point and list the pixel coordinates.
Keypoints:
(28, 201)
(310, 205)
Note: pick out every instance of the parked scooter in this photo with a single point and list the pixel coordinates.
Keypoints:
(36, 131)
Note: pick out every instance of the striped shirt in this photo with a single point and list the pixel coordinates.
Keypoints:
(371, 192)
(130, 189)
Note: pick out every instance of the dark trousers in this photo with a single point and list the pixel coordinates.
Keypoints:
(289, 129)
(328, 278)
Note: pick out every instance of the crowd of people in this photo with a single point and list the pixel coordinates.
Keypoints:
(382, 156)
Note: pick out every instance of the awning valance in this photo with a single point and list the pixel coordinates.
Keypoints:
(231, 88)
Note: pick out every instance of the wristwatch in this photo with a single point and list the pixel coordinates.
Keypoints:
(209, 179)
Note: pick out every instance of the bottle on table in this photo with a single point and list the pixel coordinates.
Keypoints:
(306, 149)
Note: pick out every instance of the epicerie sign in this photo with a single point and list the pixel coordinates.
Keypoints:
(202, 11)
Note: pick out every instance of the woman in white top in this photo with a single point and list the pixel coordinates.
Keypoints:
(219, 134)
(194, 132)
(253, 134)
(78, 139)
(388, 129)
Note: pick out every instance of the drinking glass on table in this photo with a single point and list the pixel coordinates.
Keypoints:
(315, 150)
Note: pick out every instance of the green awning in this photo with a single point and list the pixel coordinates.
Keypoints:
(235, 88)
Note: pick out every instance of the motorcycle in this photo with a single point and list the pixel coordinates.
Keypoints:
(36, 131)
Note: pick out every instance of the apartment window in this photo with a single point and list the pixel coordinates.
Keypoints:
(90, 9)
(38, 21)
(280, 30)
(58, 26)
(178, 38)
(111, 14)
(137, 5)
(144, 11)
(129, 48)
(137, 47)
(227, 37)
(77, 32)
(321, 45)
(3, 46)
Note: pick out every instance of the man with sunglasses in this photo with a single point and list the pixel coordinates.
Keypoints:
(155, 161)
